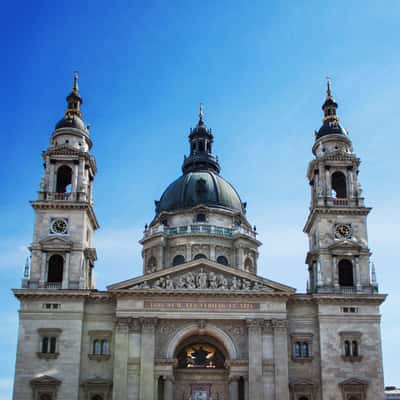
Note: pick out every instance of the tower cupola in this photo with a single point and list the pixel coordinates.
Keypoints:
(330, 122)
(73, 115)
(201, 140)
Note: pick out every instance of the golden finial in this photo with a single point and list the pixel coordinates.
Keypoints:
(201, 114)
(76, 76)
(328, 88)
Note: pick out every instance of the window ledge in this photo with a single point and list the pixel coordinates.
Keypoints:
(47, 356)
(352, 358)
(302, 359)
(99, 357)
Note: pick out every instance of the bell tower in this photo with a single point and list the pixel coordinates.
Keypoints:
(62, 252)
(339, 258)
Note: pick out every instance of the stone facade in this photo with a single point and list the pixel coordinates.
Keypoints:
(199, 323)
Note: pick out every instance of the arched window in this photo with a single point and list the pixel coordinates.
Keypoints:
(345, 268)
(96, 346)
(97, 397)
(339, 185)
(199, 256)
(241, 388)
(49, 344)
(347, 350)
(222, 260)
(248, 264)
(45, 396)
(303, 398)
(64, 179)
(179, 259)
(55, 271)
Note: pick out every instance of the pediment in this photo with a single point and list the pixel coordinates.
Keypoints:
(202, 275)
(345, 245)
(45, 380)
(353, 382)
(56, 243)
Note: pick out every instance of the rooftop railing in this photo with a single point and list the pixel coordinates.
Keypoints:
(199, 229)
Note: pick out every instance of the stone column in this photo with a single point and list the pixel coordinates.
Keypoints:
(335, 272)
(74, 186)
(212, 253)
(43, 265)
(255, 359)
(280, 359)
(121, 352)
(234, 388)
(147, 359)
(328, 182)
(52, 177)
(357, 272)
(169, 388)
(65, 280)
(350, 186)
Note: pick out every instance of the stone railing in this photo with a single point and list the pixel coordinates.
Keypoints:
(53, 285)
(345, 202)
(68, 196)
(199, 229)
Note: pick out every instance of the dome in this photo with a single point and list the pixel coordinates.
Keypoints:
(71, 122)
(200, 187)
(330, 128)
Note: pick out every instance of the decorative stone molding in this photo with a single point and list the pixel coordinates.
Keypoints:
(99, 357)
(45, 385)
(148, 324)
(279, 325)
(97, 386)
(355, 387)
(303, 387)
(127, 324)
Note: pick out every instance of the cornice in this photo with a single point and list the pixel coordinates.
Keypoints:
(65, 150)
(334, 298)
(63, 293)
(69, 205)
(334, 211)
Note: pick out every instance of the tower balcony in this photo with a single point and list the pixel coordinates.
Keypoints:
(200, 229)
(340, 202)
(67, 196)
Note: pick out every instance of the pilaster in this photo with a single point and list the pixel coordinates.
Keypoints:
(147, 359)
(255, 359)
(121, 352)
(281, 359)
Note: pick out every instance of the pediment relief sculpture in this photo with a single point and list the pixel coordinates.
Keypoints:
(202, 279)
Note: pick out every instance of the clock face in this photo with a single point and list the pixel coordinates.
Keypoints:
(343, 231)
(59, 226)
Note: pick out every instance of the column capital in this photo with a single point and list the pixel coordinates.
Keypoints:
(148, 324)
(233, 378)
(279, 325)
(254, 323)
(127, 324)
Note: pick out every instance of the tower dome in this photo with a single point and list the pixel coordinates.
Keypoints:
(200, 183)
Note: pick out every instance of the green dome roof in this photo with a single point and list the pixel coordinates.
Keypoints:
(200, 187)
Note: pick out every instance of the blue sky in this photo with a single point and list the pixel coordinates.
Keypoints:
(259, 67)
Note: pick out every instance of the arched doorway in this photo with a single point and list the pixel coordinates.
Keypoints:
(201, 372)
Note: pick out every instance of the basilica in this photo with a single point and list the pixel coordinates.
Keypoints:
(199, 323)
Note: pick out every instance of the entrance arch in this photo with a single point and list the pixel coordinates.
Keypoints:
(208, 330)
(201, 370)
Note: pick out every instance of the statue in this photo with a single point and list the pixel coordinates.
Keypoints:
(222, 282)
(180, 284)
(359, 190)
(190, 281)
(213, 280)
(202, 280)
(169, 283)
(43, 184)
(235, 283)
(246, 284)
